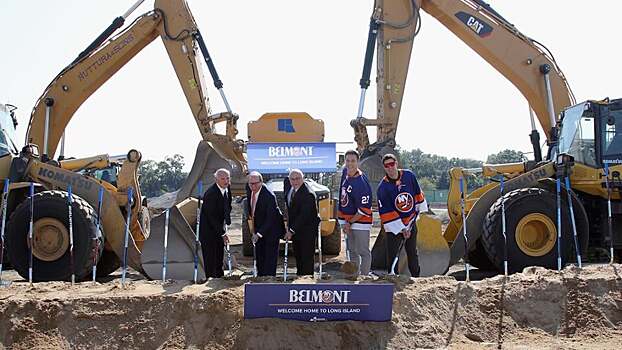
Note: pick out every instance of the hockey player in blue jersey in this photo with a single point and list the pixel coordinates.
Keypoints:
(400, 200)
(355, 211)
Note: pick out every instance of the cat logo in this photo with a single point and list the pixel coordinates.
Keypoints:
(404, 202)
(478, 26)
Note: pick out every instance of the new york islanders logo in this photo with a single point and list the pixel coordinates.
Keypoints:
(404, 202)
(344, 197)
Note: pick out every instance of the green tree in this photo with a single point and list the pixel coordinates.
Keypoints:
(157, 178)
(506, 156)
(435, 168)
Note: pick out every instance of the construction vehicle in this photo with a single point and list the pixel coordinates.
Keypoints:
(173, 22)
(301, 127)
(51, 236)
(580, 138)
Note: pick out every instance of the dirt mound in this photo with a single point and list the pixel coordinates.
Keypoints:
(537, 308)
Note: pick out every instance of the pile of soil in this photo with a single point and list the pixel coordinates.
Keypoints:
(538, 308)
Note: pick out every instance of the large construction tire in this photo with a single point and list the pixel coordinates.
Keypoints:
(531, 218)
(51, 257)
(247, 243)
(479, 258)
(331, 244)
(108, 263)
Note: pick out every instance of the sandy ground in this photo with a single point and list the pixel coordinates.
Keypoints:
(536, 309)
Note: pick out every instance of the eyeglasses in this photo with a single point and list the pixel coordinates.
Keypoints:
(389, 164)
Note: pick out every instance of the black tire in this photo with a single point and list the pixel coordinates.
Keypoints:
(53, 204)
(108, 263)
(519, 203)
(247, 244)
(479, 258)
(331, 244)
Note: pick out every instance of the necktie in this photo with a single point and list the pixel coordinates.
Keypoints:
(253, 202)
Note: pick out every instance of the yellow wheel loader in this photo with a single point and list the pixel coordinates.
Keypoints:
(172, 21)
(581, 138)
(110, 51)
(96, 240)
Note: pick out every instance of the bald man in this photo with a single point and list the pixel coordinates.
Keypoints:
(215, 217)
(303, 220)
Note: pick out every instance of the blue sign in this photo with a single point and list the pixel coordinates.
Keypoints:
(276, 158)
(319, 302)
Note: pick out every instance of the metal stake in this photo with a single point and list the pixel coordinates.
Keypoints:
(30, 231)
(71, 257)
(572, 220)
(166, 220)
(505, 238)
(197, 243)
(5, 196)
(100, 200)
(609, 217)
(127, 233)
(559, 224)
(464, 230)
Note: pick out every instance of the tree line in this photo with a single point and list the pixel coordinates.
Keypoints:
(159, 177)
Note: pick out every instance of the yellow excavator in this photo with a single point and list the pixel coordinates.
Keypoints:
(172, 21)
(581, 138)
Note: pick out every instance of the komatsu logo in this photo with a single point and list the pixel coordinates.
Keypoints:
(477, 25)
(290, 151)
(74, 180)
(318, 296)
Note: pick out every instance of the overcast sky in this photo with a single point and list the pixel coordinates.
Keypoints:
(291, 55)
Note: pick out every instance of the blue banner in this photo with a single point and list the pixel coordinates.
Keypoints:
(319, 302)
(275, 158)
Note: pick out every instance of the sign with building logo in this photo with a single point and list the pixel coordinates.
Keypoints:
(273, 158)
(319, 302)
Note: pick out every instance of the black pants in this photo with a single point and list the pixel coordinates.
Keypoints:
(267, 255)
(304, 250)
(393, 243)
(213, 253)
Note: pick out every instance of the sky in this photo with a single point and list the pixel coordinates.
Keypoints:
(294, 55)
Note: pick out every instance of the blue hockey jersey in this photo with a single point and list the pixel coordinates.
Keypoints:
(355, 197)
(400, 202)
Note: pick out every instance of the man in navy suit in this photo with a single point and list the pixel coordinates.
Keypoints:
(302, 220)
(215, 217)
(268, 226)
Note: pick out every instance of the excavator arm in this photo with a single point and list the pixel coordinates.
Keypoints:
(173, 22)
(522, 60)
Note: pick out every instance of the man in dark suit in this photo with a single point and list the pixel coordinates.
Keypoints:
(267, 227)
(215, 217)
(302, 220)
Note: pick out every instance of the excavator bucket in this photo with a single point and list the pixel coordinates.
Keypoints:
(180, 245)
(206, 162)
(371, 164)
(432, 249)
